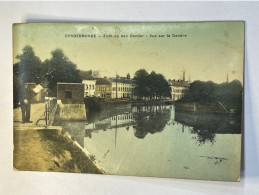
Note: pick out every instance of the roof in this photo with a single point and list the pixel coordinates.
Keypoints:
(63, 83)
(102, 81)
(178, 83)
(121, 80)
(86, 75)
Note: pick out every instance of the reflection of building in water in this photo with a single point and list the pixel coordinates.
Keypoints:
(146, 114)
(121, 120)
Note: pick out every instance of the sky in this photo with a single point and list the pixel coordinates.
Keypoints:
(206, 51)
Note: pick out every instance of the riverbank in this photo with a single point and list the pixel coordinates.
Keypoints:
(41, 150)
(201, 107)
(94, 103)
(153, 102)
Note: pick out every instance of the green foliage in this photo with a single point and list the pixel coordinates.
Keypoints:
(141, 80)
(200, 91)
(60, 69)
(150, 85)
(229, 94)
(28, 69)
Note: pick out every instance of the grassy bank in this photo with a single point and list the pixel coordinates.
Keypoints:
(43, 150)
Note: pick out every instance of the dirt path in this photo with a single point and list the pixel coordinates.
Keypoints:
(41, 150)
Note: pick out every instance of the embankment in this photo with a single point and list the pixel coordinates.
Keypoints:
(41, 150)
(94, 103)
(201, 107)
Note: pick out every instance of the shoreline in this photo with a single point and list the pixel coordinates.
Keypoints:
(40, 150)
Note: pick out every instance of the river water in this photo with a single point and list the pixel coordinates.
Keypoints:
(159, 142)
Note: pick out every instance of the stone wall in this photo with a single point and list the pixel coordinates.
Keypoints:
(206, 107)
(70, 93)
(71, 112)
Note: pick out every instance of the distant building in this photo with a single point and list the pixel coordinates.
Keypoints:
(122, 87)
(178, 88)
(70, 99)
(70, 93)
(103, 88)
(89, 83)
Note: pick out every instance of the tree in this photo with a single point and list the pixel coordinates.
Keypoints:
(28, 69)
(162, 87)
(151, 85)
(200, 91)
(229, 94)
(60, 69)
(141, 80)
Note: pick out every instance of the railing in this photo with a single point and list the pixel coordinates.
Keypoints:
(50, 104)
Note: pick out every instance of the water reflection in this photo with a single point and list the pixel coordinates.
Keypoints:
(151, 120)
(124, 140)
(143, 119)
(206, 126)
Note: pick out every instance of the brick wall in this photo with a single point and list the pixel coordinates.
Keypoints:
(70, 93)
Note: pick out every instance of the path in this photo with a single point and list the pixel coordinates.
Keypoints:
(37, 112)
(41, 148)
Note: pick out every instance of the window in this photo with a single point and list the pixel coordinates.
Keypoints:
(68, 94)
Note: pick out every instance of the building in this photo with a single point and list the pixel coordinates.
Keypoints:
(70, 93)
(70, 99)
(178, 88)
(122, 87)
(89, 83)
(103, 88)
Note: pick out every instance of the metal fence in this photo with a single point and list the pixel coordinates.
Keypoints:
(50, 104)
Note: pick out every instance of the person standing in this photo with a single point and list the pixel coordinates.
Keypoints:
(27, 96)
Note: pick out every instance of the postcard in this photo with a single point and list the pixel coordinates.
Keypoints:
(133, 99)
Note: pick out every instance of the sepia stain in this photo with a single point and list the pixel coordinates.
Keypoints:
(226, 44)
(226, 34)
(153, 53)
(233, 72)
(114, 40)
(117, 30)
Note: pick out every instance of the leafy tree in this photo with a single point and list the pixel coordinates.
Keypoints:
(28, 69)
(141, 80)
(60, 69)
(151, 85)
(200, 91)
(162, 87)
(229, 94)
